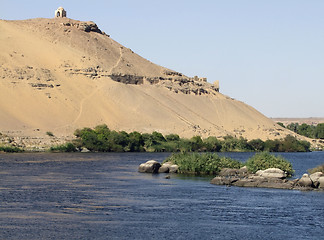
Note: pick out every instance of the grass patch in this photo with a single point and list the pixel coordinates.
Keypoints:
(319, 168)
(205, 163)
(10, 149)
(265, 160)
(68, 147)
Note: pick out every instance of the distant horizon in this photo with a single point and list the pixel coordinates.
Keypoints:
(266, 54)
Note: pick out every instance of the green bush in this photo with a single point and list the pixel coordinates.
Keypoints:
(205, 163)
(212, 144)
(232, 144)
(68, 147)
(50, 134)
(102, 139)
(257, 144)
(265, 160)
(319, 168)
(10, 149)
(319, 131)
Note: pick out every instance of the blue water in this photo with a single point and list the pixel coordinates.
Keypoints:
(102, 196)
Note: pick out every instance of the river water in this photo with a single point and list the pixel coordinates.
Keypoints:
(102, 196)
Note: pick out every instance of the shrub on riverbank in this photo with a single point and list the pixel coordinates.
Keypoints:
(102, 139)
(265, 160)
(319, 168)
(205, 163)
(68, 147)
(10, 149)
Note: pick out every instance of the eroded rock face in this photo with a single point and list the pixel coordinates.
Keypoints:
(84, 26)
(151, 166)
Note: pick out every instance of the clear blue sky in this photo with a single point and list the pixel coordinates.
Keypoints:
(266, 53)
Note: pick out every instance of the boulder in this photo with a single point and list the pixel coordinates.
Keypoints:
(151, 166)
(165, 168)
(243, 171)
(305, 181)
(314, 177)
(85, 150)
(272, 173)
(321, 182)
(223, 181)
(228, 172)
(173, 168)
(168, 168)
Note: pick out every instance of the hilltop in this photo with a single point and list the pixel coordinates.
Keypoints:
(61, 74)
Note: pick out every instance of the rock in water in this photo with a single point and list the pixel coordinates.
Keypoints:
(165, 168)
(321, 182)
(305, 181)
(151, 166)
(315, 177)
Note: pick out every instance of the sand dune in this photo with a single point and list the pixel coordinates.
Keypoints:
(60, 74)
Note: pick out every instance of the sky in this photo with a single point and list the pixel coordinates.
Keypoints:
(268, 54)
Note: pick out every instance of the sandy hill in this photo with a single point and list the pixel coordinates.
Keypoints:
(60, 74)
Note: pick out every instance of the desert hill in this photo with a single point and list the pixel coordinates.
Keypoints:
(61, 74)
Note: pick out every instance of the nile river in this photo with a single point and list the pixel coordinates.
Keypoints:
(102, 196)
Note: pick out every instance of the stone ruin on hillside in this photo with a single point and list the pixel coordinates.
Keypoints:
(60, 13)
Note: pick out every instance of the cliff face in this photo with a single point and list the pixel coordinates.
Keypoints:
(60, 74)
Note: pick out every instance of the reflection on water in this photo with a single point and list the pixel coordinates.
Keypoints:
(102, 196)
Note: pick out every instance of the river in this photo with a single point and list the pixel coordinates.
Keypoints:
(102, 196)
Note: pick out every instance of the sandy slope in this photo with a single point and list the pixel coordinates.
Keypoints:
(45, 87)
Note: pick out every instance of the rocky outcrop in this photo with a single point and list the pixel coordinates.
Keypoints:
(153, 166)
(305, 181)
(84, 26)
(315, 178)
(269, 178)
(321, 183)
(127, 79)
(168, 168)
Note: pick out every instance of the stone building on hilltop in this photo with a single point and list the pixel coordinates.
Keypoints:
(60, 13)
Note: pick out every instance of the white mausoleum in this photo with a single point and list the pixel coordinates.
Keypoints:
(60, 13)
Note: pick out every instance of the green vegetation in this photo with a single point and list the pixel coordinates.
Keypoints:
(204, 163)
(68, 147)
(319, 168)
(50, 134)
(211, 163)
(102, 139)
(288, 144)
(10, 149)
(306, 130)
(265, 160)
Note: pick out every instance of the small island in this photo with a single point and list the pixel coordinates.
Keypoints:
(263, 170)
